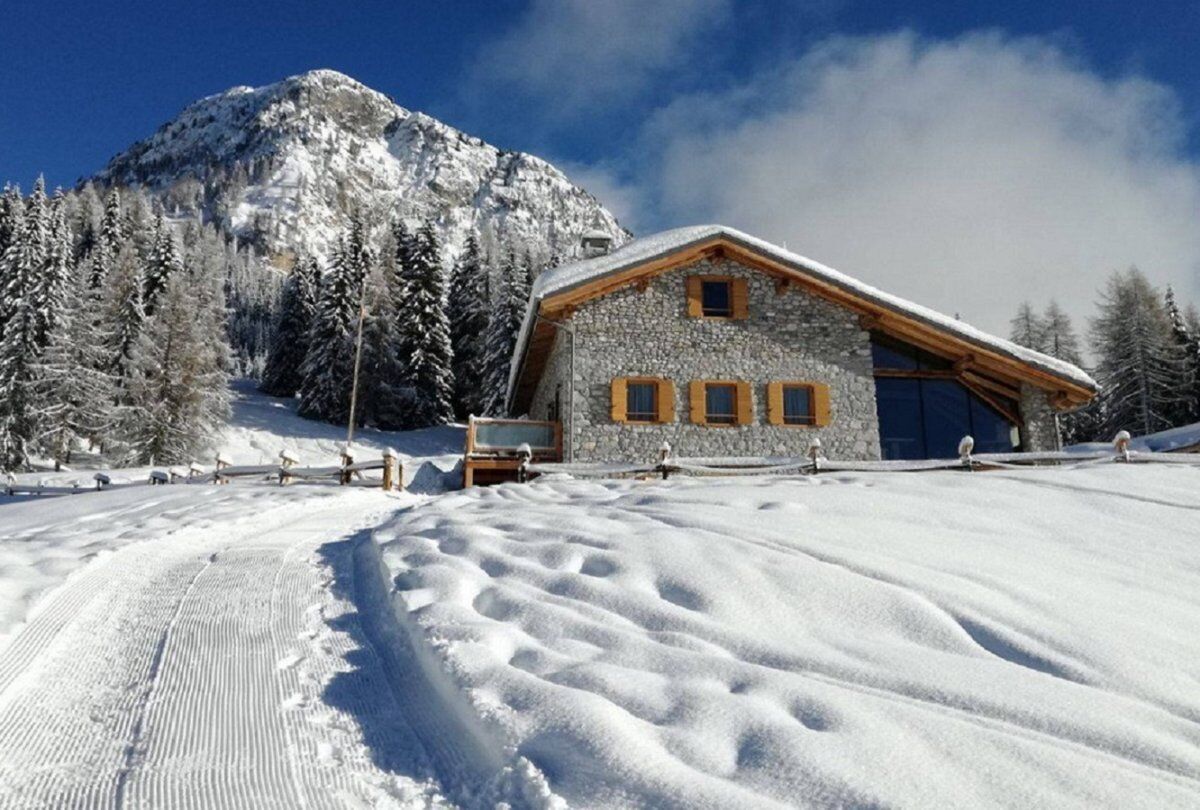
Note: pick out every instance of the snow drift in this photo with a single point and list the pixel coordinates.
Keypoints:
(1025, 639)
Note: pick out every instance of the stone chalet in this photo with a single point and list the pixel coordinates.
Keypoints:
(727, 346)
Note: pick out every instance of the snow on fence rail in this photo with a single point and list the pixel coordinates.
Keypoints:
(348, 472)
(815, 462)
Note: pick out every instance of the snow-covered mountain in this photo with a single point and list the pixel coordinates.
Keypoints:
(283, 165)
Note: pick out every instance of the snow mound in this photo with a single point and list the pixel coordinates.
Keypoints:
(1010, 639)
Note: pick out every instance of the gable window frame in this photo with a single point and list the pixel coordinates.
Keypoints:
(720, 287)
(734, 303)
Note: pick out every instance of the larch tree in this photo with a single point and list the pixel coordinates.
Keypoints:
(1028, 329)
(177, 395)
(283, 374)
(1139, 365)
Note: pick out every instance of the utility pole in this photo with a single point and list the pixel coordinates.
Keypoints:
(362, 312)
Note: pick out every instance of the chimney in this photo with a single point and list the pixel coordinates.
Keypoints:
(595, 243)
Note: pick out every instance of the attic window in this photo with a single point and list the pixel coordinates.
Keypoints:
(716, 298)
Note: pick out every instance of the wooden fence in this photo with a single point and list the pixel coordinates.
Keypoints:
(347, 472)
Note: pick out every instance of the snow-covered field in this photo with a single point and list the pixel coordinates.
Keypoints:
(1023, 639)
(1004, 639)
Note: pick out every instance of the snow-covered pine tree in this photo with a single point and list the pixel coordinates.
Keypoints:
(12, 215)
(1138, 361)
(424, 333)
(75, 390)
(383, 390)
(124, 316)
(329, 366)
(20, 267)
(504, 322)
(1028, 329)
(1188, 344)
(162, 262)
(177, 395)
(108, 241)
(282, 375)
(467, 306)
(57, 272)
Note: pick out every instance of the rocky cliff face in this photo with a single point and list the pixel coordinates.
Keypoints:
(282, 166)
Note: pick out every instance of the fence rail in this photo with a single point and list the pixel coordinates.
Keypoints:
(348, 472)
(815, 462)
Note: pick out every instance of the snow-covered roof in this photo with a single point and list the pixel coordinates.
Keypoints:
(565, 278)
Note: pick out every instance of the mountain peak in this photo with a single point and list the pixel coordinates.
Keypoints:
(283, 166)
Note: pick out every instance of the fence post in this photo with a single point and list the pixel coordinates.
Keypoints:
(101, 480)
(286, 461)
(664, 458)
(347, 460)
(390, 478)
(1121, 443)
(525, 453)
(814, 453)
(222, 461)
(965, 445)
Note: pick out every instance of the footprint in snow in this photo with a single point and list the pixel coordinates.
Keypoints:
(289, 661)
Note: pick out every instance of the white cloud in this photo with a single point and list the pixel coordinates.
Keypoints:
(967, 175)
(572, 53)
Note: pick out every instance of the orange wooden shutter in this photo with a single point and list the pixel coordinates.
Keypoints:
(696, 400)
(695, 297)
(739, 298)
(619, 399)
(744, 412)
(775, 403)
(821, 404)
(666, 401)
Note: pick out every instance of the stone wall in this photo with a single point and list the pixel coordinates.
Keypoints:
(794, 335)
(1041, 422)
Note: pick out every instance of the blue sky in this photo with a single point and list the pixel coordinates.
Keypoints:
(1025, 149)
(81, 81)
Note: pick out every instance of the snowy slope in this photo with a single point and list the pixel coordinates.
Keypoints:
(283, 165)
(1006, 639)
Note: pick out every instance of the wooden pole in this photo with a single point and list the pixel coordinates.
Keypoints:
(362, 312)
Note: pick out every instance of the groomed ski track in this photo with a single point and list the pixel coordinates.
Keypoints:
(231, 669)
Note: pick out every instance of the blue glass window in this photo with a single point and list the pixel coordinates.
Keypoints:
(798, 405)
(720, 404)
(641, 402)
(716, 299)
(901, 427)
(926, 418)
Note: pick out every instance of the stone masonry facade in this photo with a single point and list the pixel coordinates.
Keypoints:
(792, 335)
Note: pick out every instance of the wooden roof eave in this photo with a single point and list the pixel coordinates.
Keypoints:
(1066, 394)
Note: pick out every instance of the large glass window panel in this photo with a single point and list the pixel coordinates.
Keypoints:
(993, 433)
(947, 415)
(901, 429)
